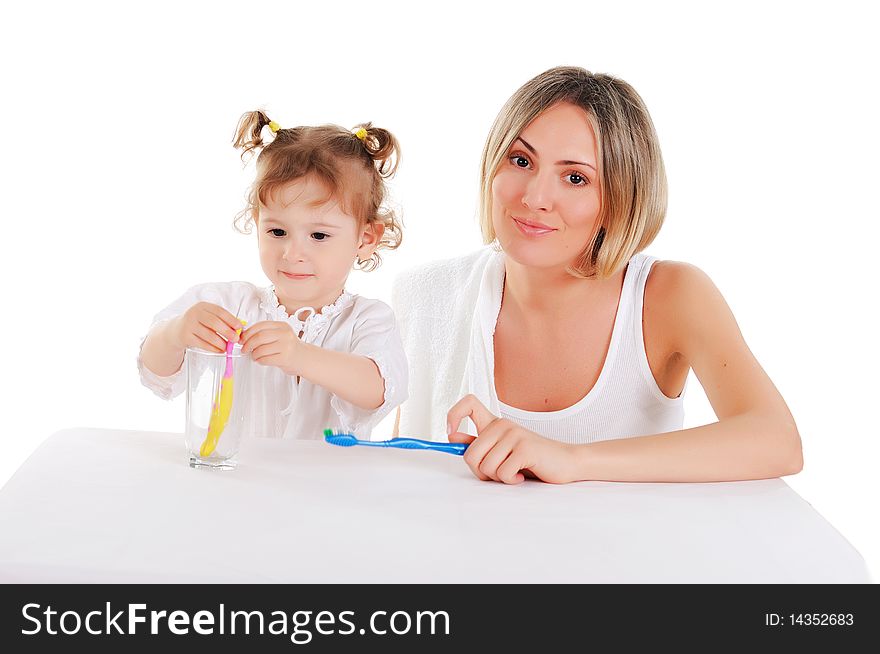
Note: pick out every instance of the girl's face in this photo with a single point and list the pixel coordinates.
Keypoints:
(308, 246)
(545, 195)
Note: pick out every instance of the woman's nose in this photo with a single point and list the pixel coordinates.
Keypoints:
(538, 195)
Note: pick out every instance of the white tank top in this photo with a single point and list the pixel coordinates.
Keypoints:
(625, 400)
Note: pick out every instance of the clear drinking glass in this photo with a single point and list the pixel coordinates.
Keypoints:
(216, 389)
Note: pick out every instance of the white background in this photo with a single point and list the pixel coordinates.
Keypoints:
(119, 182)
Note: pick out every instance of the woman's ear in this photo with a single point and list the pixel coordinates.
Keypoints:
(370, 237)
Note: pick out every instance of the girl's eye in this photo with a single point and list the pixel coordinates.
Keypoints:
(320, 236)
(577, 179)
(277, 232)
(519, 161)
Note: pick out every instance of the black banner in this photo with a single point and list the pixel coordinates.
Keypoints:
(408, 618)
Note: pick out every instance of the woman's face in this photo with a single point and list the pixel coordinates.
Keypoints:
(545, 195)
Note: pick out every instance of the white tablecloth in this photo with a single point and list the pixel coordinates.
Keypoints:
(95, 505)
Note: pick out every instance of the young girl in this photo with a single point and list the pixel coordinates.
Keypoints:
(328, 358)
(567, 347)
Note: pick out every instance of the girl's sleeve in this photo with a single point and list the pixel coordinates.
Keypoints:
(376, 337)
(227, 295)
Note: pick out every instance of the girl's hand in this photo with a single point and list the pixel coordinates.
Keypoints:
(204, 325)
(504, 451)
(272, 343)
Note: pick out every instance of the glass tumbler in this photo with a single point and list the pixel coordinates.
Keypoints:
(216, 389)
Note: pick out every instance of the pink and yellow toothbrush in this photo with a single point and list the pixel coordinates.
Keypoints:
(222, 404)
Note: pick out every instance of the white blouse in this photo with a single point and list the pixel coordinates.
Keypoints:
(279, 406)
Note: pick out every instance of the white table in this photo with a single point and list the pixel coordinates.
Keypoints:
(96, 505)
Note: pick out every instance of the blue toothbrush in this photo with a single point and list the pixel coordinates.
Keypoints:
(347, 440)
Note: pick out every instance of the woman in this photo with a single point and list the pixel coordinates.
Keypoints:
(565, 345)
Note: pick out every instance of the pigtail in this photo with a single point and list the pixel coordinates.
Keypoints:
(248, 135)
(382, 147)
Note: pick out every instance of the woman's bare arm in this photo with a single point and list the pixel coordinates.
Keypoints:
(755, 436)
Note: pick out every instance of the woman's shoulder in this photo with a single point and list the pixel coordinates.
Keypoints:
(443, 276)
(681, 300)
(461, 266)
(430, 292)
(676, 281)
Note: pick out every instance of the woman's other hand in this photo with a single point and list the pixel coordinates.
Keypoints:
(503, 451)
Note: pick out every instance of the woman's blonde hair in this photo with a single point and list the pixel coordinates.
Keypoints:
(632, 178)
(352, 164)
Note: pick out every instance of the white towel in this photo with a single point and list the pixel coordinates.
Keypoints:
(447, 312)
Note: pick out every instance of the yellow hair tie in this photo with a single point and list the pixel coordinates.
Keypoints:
(361, 133)
(274, 126)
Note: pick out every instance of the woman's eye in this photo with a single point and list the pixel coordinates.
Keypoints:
(320, 236)
(519, 161)
(576, 179)
(277, 232)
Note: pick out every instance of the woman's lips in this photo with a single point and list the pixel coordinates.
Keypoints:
(297, 275)
(530, 228)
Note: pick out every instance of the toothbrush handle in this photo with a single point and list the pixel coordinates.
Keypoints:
(416, 443)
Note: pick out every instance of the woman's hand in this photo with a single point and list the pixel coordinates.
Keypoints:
(504, 451)
(273, 343)
(204, 325)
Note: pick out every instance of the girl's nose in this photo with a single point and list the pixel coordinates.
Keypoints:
(293, 252)
(538, 195)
